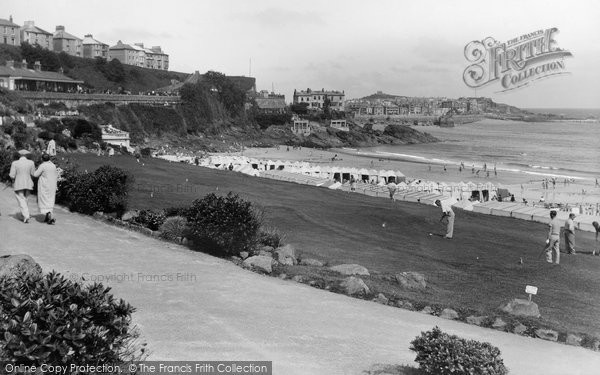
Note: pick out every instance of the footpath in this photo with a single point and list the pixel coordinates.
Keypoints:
(191, 306)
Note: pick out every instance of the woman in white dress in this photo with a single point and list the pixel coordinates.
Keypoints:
(46, 194)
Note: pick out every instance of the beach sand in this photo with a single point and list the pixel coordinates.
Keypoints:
(532, 185)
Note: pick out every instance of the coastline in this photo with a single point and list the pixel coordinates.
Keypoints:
(416, 168)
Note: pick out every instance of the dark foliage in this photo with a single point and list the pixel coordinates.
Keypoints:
(265, 120)
(442, 354)
(223, 225)
(150, 219)
(48, 59)
(106, 190)
(54, 320)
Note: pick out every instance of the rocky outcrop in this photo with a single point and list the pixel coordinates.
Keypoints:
(547, 334)
(286, 255)
(411, 280)
(499, 324)
(350, 269)
(18, 265)
(259, 263)
(573, 339)
(449, 314)
(521, 307)
(382, 299)
(476, 320)
(354, 286)
(311, 262)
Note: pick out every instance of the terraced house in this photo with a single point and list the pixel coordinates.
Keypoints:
(9, 32)
(33, 35)
(316, 99)
(68, 43)
(137, 55)
(93, 48)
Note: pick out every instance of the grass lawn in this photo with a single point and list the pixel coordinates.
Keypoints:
(338, 227)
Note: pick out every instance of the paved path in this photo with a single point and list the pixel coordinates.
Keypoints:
(208, 309)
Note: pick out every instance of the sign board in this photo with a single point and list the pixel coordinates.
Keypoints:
(531, 289)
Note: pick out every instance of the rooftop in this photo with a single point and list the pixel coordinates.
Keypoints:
(4, 22)
(36, 75)
(60, 33)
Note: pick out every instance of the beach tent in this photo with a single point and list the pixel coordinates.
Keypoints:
(363, 174)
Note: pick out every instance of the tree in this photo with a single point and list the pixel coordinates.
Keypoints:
(326, 108)
(299, 108)
(114, 71)
(48, 59)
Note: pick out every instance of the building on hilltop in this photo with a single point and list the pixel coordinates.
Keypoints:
(33, 35)
(93, 48)
(68, 43)
(137, 55)
(18, 77)
(9, 32)
(270, 103)
(316, 99)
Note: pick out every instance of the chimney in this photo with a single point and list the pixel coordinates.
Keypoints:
(88, 36)
(10, 18)
(60, 70)
(60, 28)
(10, 63)
(24, 64)
(37, 66)
(29, 23)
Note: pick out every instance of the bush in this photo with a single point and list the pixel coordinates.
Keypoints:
(146, 152)
(150, 219)
(51, 319)
(6, 159)
(270, 236)
(442, 354)
(223, 225)
(174, 228)
(106, 190)
(176, 211)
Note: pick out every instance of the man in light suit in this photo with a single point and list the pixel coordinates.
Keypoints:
(20, 172)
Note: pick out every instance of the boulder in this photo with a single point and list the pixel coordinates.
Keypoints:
(427, 310)
(411, 280)
(476, 320)
(381, 298)
(311, 262)
(522, 307)
(354, 286)
(286, 261)
(259, 263)
(263, 253)
(286, 251)
(244, 254)
(499, 324)
(405, 305)
(573, 339)
(282, 276)
(298, 278)
(547, 334)
(449, 314)
(596, 345)
(128, 215)
(16, 265)
(350, 269)
(267, 248)
(519, 329)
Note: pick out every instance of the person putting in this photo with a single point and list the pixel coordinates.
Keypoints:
(448, 214)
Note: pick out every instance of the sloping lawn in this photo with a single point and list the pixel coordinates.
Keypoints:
(479, 269)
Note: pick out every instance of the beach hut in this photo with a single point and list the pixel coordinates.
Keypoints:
(363, 174)
(400, 176)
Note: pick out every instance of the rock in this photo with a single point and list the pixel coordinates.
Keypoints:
(236, 260)
(185, 241)
(547, 334)
(522, 307)
(405, 305)
(312, 283)
(282, 276)
(596, 345)
(128, 215)
(287, 261)
(263, 253)
(499, 324)
(476, 320)
(449, 314)
(13, 266)
(267, 249)
(427, 310)
(311, 262)
(411, 280)
(519, 329)
(298, 278)
(350, 269)
(244, 254)
(259, 263)
(286, 251)
(573, 339)
(354, 286)
(381, 298)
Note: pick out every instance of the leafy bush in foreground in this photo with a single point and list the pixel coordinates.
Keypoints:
(51, 319)
(106, 190)
(442, 354)
(225, 225)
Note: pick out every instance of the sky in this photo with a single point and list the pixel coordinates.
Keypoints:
(411, 48)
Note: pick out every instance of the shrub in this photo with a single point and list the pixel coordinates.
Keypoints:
(443, 354)
(270, 236)
(150, 219)
(174, 228)
(105, 189)
(146, 152)
(6, 159)
(176, 211)
(51, 319)
(223, 225)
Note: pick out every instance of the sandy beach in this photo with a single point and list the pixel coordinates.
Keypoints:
(532, 185)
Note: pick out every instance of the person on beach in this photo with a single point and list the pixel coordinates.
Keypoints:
(352, 183)
(597, 228)
(48, 179)
(570, 234)
(448, 214)
(20, 172)
(553, 240)
(392, 189)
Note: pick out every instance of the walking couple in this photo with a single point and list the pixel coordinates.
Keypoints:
(21, 172)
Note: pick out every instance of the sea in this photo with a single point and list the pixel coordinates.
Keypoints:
(561, 149)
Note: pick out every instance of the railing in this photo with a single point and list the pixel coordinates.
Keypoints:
(99, 97)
